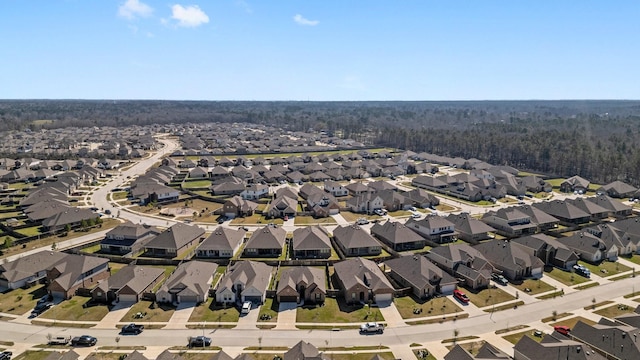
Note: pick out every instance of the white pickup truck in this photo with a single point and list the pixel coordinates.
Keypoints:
(59, 340)
(372, 328)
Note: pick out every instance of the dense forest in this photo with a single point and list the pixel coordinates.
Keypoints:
(599, 140)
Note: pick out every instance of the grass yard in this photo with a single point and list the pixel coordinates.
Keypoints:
(614, 311)
(21, 301)
(160, 312)
(471, 347)
(445, 208)
(571, 322)
(310, 220)
(33, 355)
(606, 268)
(565, 277)
(336, 311)
(256, 219)
(77, 308)
(196, 184)
(487, 297)
(119, 195)
(634, 259)
(514, 338)
(270, 308)
(210, 312)
(536, 286)
(115, 267)
(30, 231)
(434, 306)
(351, 217)
(360, 356)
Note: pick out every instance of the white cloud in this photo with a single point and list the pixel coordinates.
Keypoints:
(301, 20)
(132, 9)
(189, 16)
(244, 5)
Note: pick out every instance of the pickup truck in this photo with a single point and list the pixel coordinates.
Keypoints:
(132, 329)
(371, 328)
(59, 340)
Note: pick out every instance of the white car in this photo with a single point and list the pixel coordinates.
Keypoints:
(246, 307)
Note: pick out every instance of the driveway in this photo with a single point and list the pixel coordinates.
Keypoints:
(250, 320)
(114, 315)
(391, 314)
(181, 316)
(287, 316)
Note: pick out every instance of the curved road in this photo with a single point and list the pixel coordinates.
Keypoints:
(26, 335)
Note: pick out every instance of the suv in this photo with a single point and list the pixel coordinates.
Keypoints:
(462, 297)
(199, 341)
(83, 340)
(581, 270)
(372, 328)
(246, 307)
(40, 308)
(499, 279)
(132, 329)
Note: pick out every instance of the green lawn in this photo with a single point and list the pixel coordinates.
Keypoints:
(606, 268)
(196, 184)
(10, 215)
(211, 312)
(565, 277)
(21, 301)
(536, 286)
(33, 355)
(352, 217)
(310, 220)
(270, 307)
(634, 259)
(571, 322)
(118, 195)
(30, 231)
(514, 338)
(614, 311)
(255, 219)
(434, 306)
(159, 313)
(489, 296)
(336, 311)
(74, 310)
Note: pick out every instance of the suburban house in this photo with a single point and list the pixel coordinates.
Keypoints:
(542, 220)
(615, 207)
(549, 250)
(485, 352)
(535, 184)
(65, 355)
(302, 284)
(75, 272)
(229, 185)
(553, 346)
(311, 242)
(619, 340)
(128, 238)
(469, 228)
(189, 283)
(575, 183)
(515, 262)
(72, 218)
(175, 241)
(150, 192)
(589, 247)
(336, 189)
(222, 243)
(358, 188)
(626, 243)
(128, 284)
(596, 212)
(510, 222)
(303, 351)
(282, 206)
(398, 236)
(423, 276)
(238, 207)
(355, 241)
(29, 269)
(393, 200)
(244, 281)
(365, 203)
(255, 192)
(617, 189)
(267, 241)
(421, 198)
(463, 261)
(362, 281)
(434, 228)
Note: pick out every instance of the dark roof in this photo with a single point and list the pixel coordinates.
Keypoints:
(176, 237)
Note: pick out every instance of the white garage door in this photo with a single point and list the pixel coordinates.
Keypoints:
(384, 298)
(128, 298)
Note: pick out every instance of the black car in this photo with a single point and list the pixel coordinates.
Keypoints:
(40, 308)
(199, 341)
(84, 340)
(5, 355)
(132, 329)
(222, 219)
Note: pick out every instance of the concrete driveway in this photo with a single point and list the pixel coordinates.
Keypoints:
(181, 316)
(114, 316)
(287, 316)
(391, 314)
(249, 320)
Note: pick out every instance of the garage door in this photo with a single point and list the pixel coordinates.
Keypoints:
(384, 298)
(57, 294)
(189, 299)
(128, 298)
(288, 299)
(253, 299)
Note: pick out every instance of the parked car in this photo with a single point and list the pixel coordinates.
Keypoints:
(108, 212)
(581, 270)
(132, 329)
(83, 340)
(562, 329)
(362, 221)
(59, 340)
(222, 219)
(378, 212)
(499, 279)
(462, 297)
(415, 215)
(40, 308)
(199, 341)
(246, 307)
(5, 355)
(44, 299)
(372, 328)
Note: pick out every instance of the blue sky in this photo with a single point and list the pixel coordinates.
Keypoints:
(319, 49)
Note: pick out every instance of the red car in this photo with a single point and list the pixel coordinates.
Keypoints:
(462, 297)
(562, 329)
